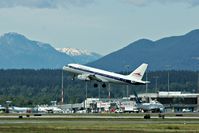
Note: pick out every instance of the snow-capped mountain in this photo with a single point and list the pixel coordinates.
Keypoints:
(17, 51)
(74, 51)
(79, 55)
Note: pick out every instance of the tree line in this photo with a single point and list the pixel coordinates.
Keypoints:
(26, 87)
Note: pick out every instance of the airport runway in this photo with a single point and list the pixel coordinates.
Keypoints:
(92, 121)
(82, 116)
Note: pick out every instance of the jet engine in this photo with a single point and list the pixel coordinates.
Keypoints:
(83, 77)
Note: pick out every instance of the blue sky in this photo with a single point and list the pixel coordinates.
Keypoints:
(101, 26)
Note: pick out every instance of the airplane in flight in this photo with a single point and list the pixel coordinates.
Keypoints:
(89, 73)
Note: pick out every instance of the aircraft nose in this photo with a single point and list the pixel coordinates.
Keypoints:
(64, 67)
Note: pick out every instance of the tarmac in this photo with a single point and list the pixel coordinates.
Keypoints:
(134, 119)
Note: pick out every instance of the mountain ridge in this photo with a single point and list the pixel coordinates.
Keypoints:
(178, 52)
(17, 52)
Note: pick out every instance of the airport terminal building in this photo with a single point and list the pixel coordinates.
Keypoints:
(173, 101)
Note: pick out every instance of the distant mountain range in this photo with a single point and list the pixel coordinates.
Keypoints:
(16, 51)
(176, 52)
(80, 56)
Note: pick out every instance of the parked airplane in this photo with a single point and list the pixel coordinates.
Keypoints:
(20, 109)
(49, 109)
(2, 109)
(152, 106)
(89, 73)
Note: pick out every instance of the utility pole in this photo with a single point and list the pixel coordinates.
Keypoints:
(62, 86)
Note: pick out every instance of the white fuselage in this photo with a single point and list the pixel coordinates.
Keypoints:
(98, 74)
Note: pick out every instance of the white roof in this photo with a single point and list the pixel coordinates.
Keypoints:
(168, 94)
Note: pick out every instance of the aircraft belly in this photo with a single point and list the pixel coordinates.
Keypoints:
(76, 71)
(105, 79)
(102, 78)
(115, 81)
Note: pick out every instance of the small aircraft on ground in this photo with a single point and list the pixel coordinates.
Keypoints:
(20, 109)
(153, 106)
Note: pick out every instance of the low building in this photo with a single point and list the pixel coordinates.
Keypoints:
(173, 101)
(109, 104)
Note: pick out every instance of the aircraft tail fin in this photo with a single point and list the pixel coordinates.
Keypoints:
(139, 72)
(137, 98)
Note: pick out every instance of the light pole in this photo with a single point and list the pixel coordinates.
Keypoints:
(62, 86)
(168, 67)
(146, 80)
(156, 83)
(198, 83)
(99, 91)
(86, 89)
(197, 71)
(127, 86)
(127, 90)
(85, 101)
(109, 90)
(168, 81)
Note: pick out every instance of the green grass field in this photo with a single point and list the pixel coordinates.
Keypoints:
(73, 125)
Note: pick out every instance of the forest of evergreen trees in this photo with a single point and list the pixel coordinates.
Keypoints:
(27, 87)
